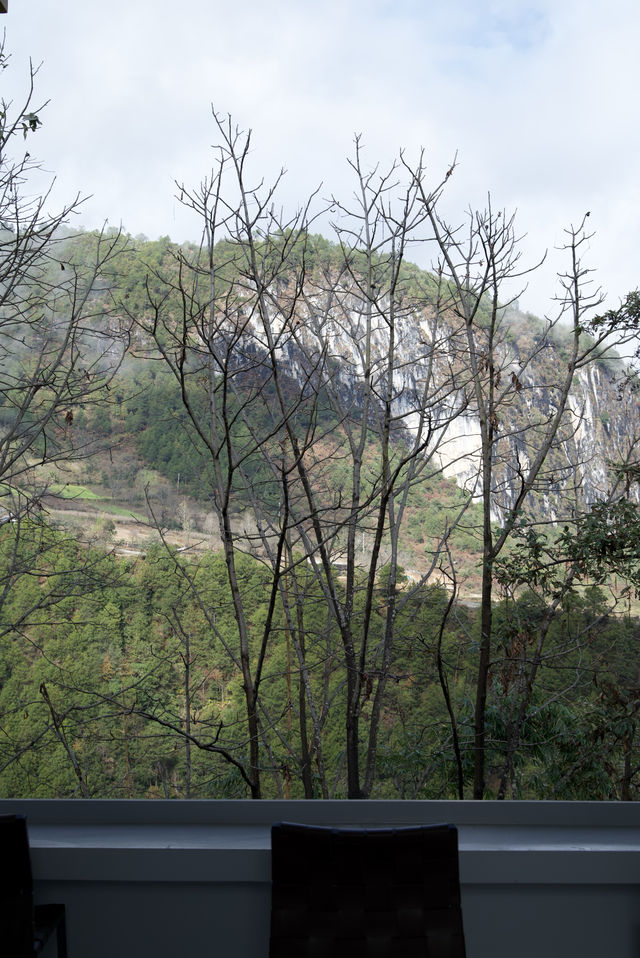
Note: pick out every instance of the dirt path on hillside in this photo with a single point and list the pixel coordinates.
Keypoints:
(130, 536)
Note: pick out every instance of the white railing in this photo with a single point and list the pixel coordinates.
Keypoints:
(181, 879)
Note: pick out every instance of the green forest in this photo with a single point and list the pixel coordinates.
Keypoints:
(284, 515)
(121, 688)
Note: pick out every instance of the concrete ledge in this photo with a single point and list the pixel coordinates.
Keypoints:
(609, 815)
(551, 843)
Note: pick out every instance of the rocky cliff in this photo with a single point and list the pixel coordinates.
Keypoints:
(422, 364)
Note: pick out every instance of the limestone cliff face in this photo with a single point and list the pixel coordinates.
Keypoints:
(424, 366)
(598, 429)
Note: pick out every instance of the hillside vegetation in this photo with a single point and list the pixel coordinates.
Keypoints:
(95, 701)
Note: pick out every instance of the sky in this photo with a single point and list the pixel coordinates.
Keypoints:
(537, 98)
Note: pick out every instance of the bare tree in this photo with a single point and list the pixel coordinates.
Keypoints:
(388, 338)
(284, 363)
(61, 343)
(521, 398)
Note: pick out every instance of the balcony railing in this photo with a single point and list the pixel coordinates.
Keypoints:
(176, 879)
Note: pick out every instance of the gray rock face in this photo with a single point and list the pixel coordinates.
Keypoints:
(437, 390)
(423, 366)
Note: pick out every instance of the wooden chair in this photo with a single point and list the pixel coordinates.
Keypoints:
(25, 929)
(365, 893)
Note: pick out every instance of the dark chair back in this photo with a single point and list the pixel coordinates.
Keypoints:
(16, 888)
(24, 928)
(365, 893)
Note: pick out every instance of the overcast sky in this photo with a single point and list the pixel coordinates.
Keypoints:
(539, 100)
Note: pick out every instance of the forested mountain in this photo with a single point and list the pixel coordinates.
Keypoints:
(119, 675)
(381, 530)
